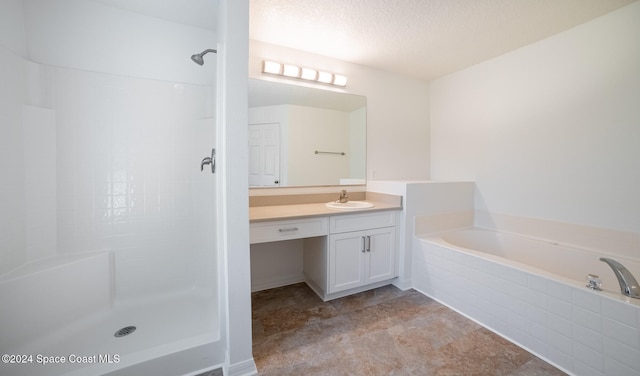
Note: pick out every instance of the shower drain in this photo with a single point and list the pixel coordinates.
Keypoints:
(125, 331)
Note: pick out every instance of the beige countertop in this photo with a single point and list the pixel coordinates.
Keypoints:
(281, 212)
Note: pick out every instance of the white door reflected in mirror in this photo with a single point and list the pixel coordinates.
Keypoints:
(264, 155)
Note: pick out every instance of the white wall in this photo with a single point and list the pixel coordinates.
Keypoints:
(312, 129)
(12, 178)
(550, 130)
(233, 210)
(92, 36)
(397, 111)
(357, 132)
(276, 264)
(12, 35)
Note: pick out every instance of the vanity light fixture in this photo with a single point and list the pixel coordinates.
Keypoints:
(325, 77)
(307, 74)
(271, 67)
(291, 71)
(339, 80)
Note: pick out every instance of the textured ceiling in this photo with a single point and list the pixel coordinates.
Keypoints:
(424, 39)
(417, 38)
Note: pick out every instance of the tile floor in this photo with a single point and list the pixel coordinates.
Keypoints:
(380, 332)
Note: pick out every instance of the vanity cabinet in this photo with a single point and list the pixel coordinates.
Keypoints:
(343, 253)
(361, 258)
(359, 253)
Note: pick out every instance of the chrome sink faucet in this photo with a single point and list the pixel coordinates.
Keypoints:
(628, 285)
(343, 197)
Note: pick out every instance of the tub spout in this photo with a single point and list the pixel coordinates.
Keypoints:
(628, 285)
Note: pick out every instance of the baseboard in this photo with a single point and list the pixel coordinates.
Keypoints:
(276, 282)
(245, 368)
(404, 284)
(341, 294)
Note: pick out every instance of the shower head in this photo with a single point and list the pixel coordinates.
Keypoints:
(198, 58)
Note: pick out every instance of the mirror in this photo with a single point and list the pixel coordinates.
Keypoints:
(304, 136)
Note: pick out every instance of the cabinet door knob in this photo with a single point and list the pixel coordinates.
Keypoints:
(368, 243)
(364, 244)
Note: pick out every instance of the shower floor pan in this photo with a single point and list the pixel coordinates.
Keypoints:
(178, 334)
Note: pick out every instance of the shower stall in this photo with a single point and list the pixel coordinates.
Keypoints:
(108, 252)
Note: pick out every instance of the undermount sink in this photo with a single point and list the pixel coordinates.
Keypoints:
(349, 205)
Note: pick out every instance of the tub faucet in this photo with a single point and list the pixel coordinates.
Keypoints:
(628, 285)
(343, 197)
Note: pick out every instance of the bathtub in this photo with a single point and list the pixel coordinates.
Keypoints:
(533, 293)
(64, 311)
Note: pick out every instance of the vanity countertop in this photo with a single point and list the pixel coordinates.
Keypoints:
(281, 212)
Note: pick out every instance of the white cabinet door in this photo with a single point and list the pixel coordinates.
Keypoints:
(381, 256)
(361, 257)
(346, 269)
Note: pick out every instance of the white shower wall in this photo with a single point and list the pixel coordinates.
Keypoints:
(104, 154)
(40, 179)
(12, 179)
(88, 35)
(129, 178)
(100, 185)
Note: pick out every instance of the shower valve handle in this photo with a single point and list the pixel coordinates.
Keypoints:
(209, 161)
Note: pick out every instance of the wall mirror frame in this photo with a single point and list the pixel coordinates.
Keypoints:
(302, 136)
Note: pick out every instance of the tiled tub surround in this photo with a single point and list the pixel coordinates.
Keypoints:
(553, 315)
